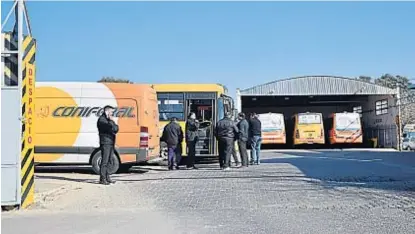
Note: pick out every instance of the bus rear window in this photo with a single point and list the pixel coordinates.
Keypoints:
(271, 121)
(344, 121)
(309, 119)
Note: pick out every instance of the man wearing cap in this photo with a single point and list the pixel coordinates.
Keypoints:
(107, 129)
(225, 132)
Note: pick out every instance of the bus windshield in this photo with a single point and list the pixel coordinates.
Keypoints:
(271, 122)
(347, 121)
(309, 119)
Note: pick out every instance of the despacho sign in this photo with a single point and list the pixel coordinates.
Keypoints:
(87, 111)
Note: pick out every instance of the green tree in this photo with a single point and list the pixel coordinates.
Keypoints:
(365, 78)
(392, 82)
(108, 79)
(407, 97)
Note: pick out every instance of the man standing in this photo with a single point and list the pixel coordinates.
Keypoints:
(173, 136)
(107, 129)
(255, 138)
(243, 127)
(225, 132)
(192, 137)
(234, 153)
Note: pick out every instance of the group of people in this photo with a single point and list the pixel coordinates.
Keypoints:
(244, 132)
(227, 132)
(173, 136)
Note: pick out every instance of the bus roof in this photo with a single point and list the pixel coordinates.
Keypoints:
(219, 88)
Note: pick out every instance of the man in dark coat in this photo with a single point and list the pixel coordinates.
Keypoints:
(243, 127)
(234, 153)
(107, 129)
(255, 131)
(173, 136)
(225, 132)
(192, 137)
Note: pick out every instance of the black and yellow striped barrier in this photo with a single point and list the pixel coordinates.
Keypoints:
(27, 150)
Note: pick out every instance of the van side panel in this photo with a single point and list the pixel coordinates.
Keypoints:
(146, 116)
(56, 131)
(67, 113)
(129, 102)
(152, 122)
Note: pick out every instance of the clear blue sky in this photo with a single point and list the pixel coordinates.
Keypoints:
(236, 44)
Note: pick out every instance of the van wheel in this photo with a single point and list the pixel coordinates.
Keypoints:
(96, 163)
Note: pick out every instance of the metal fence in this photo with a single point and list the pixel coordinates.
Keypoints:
(386, 135)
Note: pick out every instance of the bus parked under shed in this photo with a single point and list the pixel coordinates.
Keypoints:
(375, 104)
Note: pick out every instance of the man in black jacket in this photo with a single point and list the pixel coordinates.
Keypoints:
(234, 153)
(107, 129)
(192, 137)
(243, 127)
(226, 131)
(255, 131)
(173, 136)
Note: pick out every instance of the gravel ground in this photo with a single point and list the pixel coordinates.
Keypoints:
(290, 192)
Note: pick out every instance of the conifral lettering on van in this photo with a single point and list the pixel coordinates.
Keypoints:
(87, 111)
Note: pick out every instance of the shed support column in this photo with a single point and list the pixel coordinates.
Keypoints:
(238, 101)
(399, 124)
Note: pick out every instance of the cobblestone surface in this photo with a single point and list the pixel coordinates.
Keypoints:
(290, 192)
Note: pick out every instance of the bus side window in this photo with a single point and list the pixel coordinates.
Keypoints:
(221, 109)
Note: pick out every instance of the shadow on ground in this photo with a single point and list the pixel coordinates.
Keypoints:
(367, 169)
(43, 171)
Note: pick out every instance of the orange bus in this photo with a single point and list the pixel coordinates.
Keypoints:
(66, 123)
(345, 127)
(273, 128)
(308, 128)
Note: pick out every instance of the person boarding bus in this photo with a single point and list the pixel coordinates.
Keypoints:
(192, 137)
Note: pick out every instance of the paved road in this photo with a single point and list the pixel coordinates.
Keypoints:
(290, 192)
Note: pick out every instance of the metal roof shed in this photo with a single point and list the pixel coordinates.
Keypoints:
(314, 86)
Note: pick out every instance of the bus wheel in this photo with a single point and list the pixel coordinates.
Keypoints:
(112, 167)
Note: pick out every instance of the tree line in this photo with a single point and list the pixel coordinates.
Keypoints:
(388, 80)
